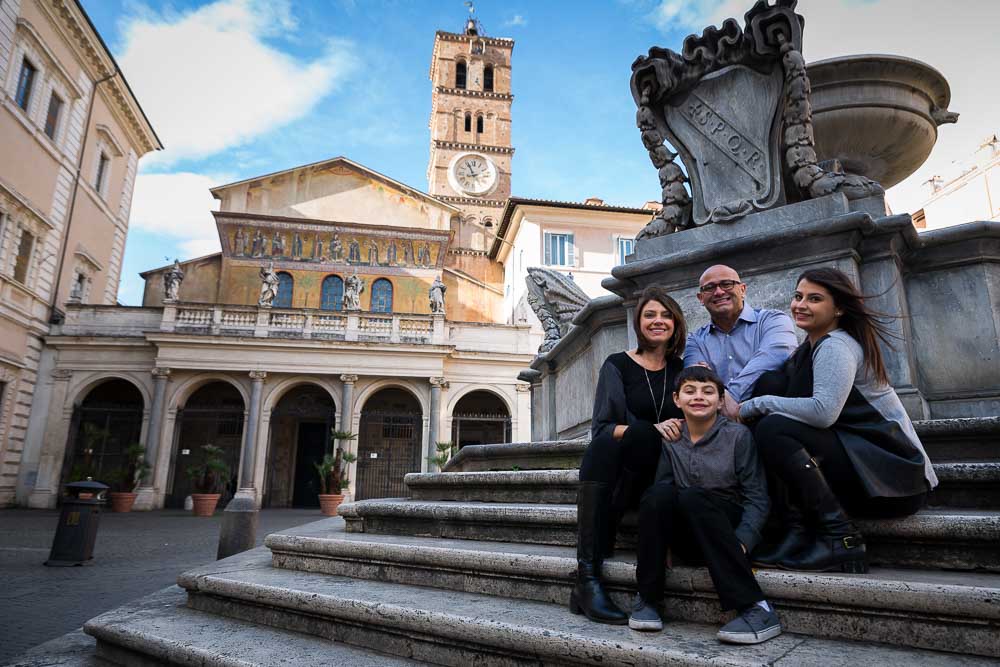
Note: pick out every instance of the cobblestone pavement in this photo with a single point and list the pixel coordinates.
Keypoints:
(136, 554)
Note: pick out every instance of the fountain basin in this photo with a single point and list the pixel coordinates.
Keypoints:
(878, 114)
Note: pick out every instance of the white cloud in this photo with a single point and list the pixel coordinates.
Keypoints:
(208, 79)
(177, 204)
(516, 21)
(961, 43)
(200, 247)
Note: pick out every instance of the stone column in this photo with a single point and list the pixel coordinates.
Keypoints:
(240, 518)
(147, 488)
(437, 384)
(522, 420)
(46, 489)
(347, 401)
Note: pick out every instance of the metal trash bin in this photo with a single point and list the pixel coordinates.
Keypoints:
(77, 529)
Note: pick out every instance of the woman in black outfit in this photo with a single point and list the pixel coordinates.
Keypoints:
(633, 410)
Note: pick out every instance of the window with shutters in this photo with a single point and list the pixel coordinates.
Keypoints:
(626, 247)
(52, 117)
(25, 83)
(558, 249)
(286, 284)
(332, 293)
(25, 249)
(101, 179)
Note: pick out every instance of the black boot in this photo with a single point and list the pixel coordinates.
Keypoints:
(625, 496)
(838, 545)
(796, 537)
(593, 507)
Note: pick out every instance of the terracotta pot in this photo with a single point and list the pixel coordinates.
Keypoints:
(122, 502)
(329, 502)
(204, 503)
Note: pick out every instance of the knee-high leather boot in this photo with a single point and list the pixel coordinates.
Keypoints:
(796, 536)
(838, 545)
(589, 597)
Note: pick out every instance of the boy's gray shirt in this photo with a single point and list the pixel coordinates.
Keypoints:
(725, 462)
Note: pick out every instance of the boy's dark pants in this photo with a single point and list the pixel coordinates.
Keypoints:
(699, 526)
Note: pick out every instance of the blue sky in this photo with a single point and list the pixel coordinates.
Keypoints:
(237, 88)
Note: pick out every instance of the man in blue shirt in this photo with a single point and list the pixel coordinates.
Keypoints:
(741, 342)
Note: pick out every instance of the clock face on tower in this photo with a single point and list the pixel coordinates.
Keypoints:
(472, 173)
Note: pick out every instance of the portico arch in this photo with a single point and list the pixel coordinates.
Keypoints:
(301, 415)
(208, 411)
(478, 416)
(390, 440)
(107, 418)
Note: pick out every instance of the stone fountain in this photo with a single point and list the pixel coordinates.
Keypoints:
(771, 165)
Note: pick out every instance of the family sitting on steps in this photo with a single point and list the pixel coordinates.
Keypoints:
(679, 421)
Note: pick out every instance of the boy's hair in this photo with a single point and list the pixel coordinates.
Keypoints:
(698, 374)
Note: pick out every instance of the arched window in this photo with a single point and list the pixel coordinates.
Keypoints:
(285, 286)
(381, 296)
(479, 124)
(488, 78)
(468, 122)
(460, 74)
(332, 293)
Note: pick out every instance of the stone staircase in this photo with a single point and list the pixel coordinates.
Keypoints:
(475, 568)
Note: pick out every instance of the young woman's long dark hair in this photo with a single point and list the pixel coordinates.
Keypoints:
(675, 345)
(858, 320)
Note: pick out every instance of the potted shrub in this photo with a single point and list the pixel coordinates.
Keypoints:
(206, 480)
(333, 474)
(445, 450)
(126, 479)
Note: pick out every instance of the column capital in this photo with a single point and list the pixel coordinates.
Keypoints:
(439, 382)
(258, 375)
(348, 379)
(160, 372)
(61, 374)
(522, 387)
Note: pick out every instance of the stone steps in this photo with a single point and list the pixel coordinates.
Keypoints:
(160, 629)
(942, 611)
(973, 484)
(454, 627)
(965, 439)
(969, 484)
(948, 539)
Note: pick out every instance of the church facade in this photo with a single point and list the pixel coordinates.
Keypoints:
(341, 299)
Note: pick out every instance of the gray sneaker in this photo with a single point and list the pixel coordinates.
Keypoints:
(753, 626)
(644, 616)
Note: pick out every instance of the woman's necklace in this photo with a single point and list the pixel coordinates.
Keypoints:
(663, 398)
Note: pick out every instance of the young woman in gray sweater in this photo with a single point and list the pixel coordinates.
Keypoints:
(833, 431)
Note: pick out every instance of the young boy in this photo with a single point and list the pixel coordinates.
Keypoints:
(709, 503)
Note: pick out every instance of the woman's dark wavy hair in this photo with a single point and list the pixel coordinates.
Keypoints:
(864, 325)
(675, 345)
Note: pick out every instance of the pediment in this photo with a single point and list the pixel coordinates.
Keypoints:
(336, 189)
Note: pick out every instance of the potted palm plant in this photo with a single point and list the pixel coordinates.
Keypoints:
(125, 479)
(445, 450)
(207, 479)
(333, 474)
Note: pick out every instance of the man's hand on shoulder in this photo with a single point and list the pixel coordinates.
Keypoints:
(730, 408)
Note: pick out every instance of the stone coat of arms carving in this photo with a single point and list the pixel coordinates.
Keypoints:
(735, 105)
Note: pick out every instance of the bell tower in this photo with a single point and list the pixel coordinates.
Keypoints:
(470, 152)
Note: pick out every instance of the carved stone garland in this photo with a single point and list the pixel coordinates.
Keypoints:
(800, 143)
(676, 211)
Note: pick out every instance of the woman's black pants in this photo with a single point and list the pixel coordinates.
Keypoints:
(777, 437)
(700, 527)
(633, 458)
